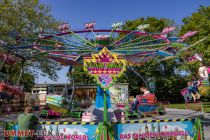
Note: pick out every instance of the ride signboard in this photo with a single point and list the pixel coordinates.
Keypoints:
(180, 129)
(105, 67)
(186, 129)
(56, 131)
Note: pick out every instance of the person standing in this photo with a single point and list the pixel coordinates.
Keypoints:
(26, 121)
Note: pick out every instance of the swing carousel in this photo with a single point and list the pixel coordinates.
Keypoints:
(104, 54)
(7, 89)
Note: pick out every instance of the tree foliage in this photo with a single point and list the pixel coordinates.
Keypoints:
(198, 21)
(25, 19)
(156, 25)
(80, 76)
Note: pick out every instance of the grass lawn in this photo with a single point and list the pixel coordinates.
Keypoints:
(206, 106)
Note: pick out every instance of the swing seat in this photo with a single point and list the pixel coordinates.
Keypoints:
(56, 103)
(11, 91)
(8, 59)
(187, 96)
(148, 104)
(148, 99)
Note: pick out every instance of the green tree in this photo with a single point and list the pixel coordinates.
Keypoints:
(156, 25)
(199, 21)
(25, 19)
(80, 76)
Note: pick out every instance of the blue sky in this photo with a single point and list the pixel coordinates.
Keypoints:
(106, 12)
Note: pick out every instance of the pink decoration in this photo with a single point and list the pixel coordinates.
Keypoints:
(195, 57)
(184, 91)
(167, 30)
(104, 70)
(90, 25)
(64, 27)
(105, 79)
(120, 105)
(86, 117)
(208, 70)
(53, 113)
(187, 35)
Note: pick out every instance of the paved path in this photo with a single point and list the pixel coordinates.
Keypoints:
(206, 126)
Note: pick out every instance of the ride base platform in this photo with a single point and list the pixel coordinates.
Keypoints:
(173, 120)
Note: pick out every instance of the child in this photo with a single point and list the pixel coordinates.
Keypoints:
(196, 84)
(193, 91)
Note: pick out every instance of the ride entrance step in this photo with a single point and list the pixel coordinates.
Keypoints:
(196, 106)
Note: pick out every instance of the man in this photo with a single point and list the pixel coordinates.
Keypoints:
(145, 92)
(26, 121)
(192, 91)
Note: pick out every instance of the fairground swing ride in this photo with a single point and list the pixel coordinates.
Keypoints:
(10, 90)
(104, 53)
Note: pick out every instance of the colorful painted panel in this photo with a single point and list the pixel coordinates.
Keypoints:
(55, 131)
(83, 132)
(119, 93)
(185, 130)
(105, 67)
(57, 103)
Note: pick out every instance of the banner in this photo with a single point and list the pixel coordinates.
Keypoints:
(71, 132)
(180, 130)
(77, 131)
